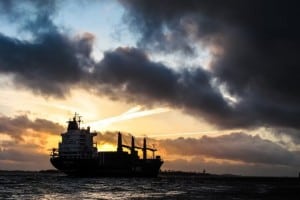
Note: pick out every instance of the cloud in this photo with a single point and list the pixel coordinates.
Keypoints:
(237, 147)
(31, 16)
(128, 72)
(205, 19)
(253, 43)
(234, 153)
(284, 133)
(20, 159)
(51, 61)
(26, 149)
(16, 10)
(48, 65)
(18, 127)
(21, 156)
(107, 137)
(256, 59)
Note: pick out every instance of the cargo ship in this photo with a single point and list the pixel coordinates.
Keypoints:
(77, 155)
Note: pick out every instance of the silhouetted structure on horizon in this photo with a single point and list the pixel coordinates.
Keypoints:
(77, 155)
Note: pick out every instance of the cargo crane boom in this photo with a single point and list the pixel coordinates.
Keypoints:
(133, 147)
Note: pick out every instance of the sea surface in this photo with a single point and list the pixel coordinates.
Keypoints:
(34, 185)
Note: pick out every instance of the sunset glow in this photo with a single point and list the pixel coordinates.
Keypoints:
(211, 85)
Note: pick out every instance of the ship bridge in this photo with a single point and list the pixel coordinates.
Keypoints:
(77, 142)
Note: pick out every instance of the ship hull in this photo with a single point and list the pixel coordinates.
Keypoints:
(95, 167)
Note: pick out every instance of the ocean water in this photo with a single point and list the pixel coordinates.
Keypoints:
(34, 185)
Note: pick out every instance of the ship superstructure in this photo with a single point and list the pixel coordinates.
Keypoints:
(77, 154)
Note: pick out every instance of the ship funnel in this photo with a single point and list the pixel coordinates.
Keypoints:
(145, 149)
(119, 149)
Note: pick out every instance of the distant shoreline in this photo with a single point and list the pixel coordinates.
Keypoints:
(31, 171)
(161, 174)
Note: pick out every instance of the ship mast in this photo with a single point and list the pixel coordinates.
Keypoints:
(120, 143)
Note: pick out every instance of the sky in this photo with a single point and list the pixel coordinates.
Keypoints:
(212, 84)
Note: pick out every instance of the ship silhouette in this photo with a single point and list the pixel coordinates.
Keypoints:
(77, 155)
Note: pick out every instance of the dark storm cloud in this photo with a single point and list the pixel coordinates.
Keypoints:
(258, 43)
(51, 61)
(255, 58)
(268, 19)
(18, 126)
(129, 72)
(47, 65)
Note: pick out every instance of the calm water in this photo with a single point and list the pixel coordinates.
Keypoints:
(31, 185)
